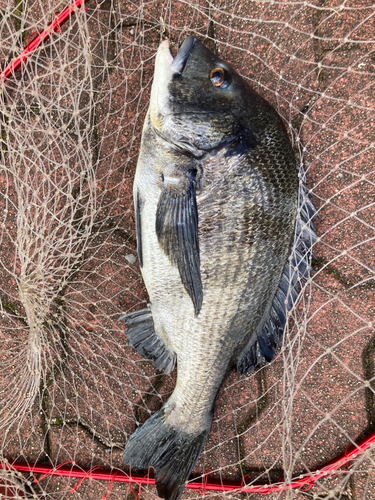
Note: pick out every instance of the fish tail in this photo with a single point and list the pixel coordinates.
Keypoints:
(171, 452)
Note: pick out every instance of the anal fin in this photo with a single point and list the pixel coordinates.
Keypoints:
(143, 338)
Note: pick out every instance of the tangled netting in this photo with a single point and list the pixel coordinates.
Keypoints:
(72, 390)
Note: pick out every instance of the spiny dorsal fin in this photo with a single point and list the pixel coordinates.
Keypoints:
(297, 269)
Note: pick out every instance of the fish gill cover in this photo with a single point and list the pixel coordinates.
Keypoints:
(72, 389)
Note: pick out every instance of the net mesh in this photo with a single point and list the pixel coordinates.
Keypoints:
(72, 390)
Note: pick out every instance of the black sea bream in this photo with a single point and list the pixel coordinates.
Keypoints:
(224, 234)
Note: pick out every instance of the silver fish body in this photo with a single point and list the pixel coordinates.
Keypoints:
(218, 209)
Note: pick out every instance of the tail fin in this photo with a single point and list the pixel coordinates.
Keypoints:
(171, 452)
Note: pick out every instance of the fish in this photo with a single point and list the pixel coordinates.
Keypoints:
(224, 234)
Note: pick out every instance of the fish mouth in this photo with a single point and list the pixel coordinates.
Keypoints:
(162, 108)
(179, 62)
(166, 67)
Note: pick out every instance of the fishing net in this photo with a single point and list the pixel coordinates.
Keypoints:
(72, 390)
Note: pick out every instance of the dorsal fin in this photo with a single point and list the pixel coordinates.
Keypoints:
(296, 272)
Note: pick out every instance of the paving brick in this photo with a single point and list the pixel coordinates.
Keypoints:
(363, 479)
(267, 44)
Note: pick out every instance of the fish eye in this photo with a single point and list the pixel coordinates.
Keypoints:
(219, 78)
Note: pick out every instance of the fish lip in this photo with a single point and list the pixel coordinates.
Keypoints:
(183, 54)
(165, 48)
(165, 69)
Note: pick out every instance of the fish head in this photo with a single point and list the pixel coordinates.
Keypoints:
(198, 102)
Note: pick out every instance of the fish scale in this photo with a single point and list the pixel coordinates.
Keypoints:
(219, 211)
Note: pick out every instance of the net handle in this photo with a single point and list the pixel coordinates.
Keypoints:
(41, 37)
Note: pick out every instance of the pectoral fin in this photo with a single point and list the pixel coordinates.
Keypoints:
(177, 232)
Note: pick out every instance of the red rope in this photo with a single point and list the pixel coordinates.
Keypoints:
(304, 482)
(39, 39)
(50, 472)
(87, 476)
